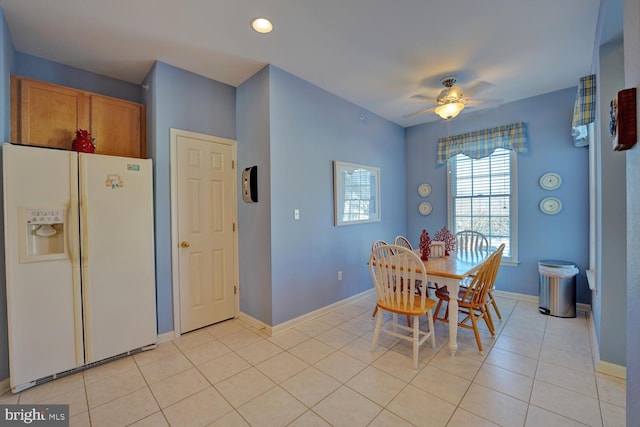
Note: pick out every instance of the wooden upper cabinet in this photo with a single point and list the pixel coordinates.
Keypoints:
(47, 115)
(117, 127)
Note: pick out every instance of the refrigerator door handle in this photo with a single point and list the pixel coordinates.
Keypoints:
(84, 246)
(71, 229)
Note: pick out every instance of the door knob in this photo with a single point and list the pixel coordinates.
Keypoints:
(185, 244)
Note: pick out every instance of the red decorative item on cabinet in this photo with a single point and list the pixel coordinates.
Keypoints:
(425, 245)
(83, 142)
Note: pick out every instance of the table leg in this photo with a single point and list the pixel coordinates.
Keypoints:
(453, 317)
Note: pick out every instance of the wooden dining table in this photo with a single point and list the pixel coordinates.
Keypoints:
(449, 271)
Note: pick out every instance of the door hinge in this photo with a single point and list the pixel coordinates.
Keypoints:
(234, 226)
(235, 289)
(233, 164)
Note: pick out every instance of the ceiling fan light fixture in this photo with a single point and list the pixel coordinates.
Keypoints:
(449, 110)
(261, 25)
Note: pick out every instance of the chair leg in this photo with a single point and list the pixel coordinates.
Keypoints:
(376, 331)
(431, 329)
(495, 305)
(375, 311)
(437, 311)
(475, 329)
(489, 320)
(416, 340)
(408, 321)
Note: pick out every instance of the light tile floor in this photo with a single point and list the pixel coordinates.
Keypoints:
(537, 371)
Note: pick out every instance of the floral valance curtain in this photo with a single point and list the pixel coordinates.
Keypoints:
(584, 110)
(481, 143)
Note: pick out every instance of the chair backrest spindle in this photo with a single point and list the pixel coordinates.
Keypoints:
(469, 240)
(396, 273)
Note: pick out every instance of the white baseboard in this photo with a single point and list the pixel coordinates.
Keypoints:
(285, 326)
(601, 366)
(166, 337)
(514, 295)
(534, 299)
(267, 329)
(583, 307)
(611, 369)
(5, 386)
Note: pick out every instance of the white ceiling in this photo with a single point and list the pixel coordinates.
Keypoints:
(377, 54)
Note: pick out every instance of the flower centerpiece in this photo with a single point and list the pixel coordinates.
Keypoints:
(449, 239)
(83, 142)
(425, 245)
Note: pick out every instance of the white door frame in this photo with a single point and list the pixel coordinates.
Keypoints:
(175, 261)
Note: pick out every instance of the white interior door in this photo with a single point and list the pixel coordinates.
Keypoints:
(206, 235)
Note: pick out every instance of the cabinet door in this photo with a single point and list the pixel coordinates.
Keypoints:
(118, 127)
(47, 115)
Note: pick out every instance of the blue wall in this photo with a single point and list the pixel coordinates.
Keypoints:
(562, 236)
(182, 100)
(55, 72)
(309, 128)
(610, 177)
(254, 233)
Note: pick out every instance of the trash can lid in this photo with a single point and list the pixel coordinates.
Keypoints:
(556, 263)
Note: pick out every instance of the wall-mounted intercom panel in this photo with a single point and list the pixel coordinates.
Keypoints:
(250, 184)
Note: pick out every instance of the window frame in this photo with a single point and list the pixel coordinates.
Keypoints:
(341, 187)
(513, 205)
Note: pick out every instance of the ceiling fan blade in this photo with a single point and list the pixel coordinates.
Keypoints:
(483, 102)
(421, 98)
(477, 88)
(417, 113)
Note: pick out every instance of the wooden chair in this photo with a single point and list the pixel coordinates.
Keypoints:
(403, 241)
(374, 245)
(469, 240)
(388, 248)
(387, 270)
(472, 300)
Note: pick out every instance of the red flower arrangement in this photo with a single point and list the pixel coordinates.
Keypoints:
(449, 239)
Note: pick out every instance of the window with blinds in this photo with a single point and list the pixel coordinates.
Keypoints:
(356, 193)
(482, 198)
(359, 195)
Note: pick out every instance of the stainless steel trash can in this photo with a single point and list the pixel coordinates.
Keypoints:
(557, 287)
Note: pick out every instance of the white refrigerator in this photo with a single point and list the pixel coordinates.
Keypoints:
(79, 256)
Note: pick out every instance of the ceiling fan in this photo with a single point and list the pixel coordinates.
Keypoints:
(451, 101)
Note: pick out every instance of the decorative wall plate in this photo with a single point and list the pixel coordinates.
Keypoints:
(550, 181)
(425, 208)
(424, 190)
(550, 205)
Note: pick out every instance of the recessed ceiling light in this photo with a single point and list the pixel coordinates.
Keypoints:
(262, 25)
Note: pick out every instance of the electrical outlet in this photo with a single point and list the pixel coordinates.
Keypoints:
(296, 214)
(339, 275)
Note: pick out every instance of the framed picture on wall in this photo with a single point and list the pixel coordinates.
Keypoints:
(356, 193)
